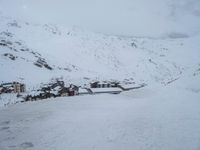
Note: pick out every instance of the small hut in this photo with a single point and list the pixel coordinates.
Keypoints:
(63, 92)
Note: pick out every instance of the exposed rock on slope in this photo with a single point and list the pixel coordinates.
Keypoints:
(51, 51)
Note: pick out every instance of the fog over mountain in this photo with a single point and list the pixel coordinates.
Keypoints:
(155, 18)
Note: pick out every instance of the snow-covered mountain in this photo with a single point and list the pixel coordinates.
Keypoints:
(35, 53)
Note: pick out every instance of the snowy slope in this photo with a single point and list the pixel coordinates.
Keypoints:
(155, 117)
(75, 54)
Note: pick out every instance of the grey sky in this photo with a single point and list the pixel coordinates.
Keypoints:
(123, 17)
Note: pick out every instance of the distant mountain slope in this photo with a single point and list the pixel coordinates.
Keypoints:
(35, 53)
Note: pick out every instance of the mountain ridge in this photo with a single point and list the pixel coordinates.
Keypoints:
(74, 54)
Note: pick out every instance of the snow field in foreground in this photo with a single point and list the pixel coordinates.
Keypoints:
(149, 118)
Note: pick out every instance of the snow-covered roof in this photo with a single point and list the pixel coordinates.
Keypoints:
(81, 90)
(54, 92)
(94, 90)
(130, 86)
(7, 85)
(57, 88)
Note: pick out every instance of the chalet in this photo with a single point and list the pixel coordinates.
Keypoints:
(34, 95)
(58, 84)
(103, 84)
(7, 88)
(56, 89)
(63, 92)
(73, 90)
(94, 84)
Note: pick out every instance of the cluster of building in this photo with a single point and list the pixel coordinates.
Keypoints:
(12, 87)
(58, 89)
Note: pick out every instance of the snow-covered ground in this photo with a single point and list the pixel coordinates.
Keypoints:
(156, 118)
(8, 99)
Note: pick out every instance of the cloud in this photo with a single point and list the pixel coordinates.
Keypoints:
(122, 17)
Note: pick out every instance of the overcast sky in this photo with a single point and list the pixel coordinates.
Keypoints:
(120, 17)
